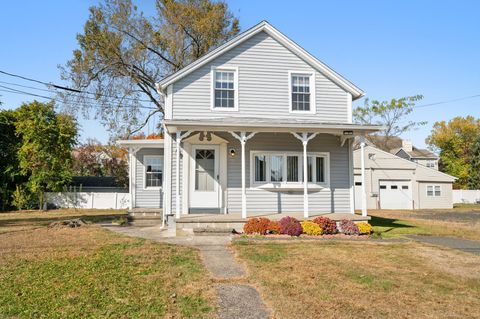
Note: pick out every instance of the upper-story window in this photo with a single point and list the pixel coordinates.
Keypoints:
(302, 92)
(224, 89)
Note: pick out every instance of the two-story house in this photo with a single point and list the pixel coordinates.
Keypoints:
(257, 126)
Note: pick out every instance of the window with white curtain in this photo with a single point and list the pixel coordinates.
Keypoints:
(287, 167)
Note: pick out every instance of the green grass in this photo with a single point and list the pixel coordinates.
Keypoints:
(389, 228)
(90, 272)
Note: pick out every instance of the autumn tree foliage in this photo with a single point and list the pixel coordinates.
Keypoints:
(122, 53)
(95, 159)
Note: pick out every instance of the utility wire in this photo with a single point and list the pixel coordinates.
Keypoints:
(60, 87)
(111, 103)
(10, 90)
(450, 101)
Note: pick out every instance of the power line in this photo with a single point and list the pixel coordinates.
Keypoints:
(111, 103)
(450, 101)
(60, 87)
(15, 91)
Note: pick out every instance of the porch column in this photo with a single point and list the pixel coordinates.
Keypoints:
(243, 138)
(132, 167)
(178, 140)
(362, 167)
(305, 138)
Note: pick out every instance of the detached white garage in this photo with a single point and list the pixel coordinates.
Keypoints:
(395, 194)
(392, 182)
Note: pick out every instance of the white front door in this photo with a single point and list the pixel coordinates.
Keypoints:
(204, 177)
(395, 194)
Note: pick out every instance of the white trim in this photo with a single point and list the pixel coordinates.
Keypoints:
(313, 96)
(156, 143)
(349, 108)
(145, 157)
(167, 187)
(226, 68)
(290, 185)
(169, 102)
(281, 38)
(351, 176)
(433, 186)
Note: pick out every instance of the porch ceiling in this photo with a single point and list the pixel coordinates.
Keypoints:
(268, 125)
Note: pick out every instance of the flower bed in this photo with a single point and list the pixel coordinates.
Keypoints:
(320, 227)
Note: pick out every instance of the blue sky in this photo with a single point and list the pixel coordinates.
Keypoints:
(387, 48)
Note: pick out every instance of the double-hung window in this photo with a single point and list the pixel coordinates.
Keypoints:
(434, 191)
(302, 92)
(153, 171)
(224, 89)
(287, 168)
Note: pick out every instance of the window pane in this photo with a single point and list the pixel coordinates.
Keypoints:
(224, 89)
(204, 170)
(154, 171)
(276, 168)
(260, 168)
(429, 190)
(437, 191)
(292, 168)
(320, 169)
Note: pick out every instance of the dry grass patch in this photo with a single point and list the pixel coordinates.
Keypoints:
(92, 272)
(359, 280)
(397, 223)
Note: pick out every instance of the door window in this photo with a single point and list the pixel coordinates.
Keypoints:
(204, 170)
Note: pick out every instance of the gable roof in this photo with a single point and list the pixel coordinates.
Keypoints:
(264, 26)
(395, 144)
(417, 165)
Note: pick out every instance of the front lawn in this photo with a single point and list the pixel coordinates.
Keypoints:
(388, 224)
(363, 280)
(92, 272)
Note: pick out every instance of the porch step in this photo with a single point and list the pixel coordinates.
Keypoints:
(144, 218)
(209, 231)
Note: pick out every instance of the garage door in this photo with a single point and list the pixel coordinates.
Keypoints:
(395, 194)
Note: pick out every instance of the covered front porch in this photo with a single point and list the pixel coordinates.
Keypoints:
(208, 223)
(236, 145)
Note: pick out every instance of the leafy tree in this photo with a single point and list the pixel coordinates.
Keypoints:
(94, 159)
(391, 114)
(45, 153)
(9, 171)
(122, 54)
(454, 142)
(474, 172)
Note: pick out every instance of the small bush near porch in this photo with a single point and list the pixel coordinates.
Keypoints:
(90, 272)
(363, 279)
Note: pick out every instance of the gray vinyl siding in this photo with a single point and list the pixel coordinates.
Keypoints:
(335, 199)
(445, 200)
(146, 198)
(263, 80)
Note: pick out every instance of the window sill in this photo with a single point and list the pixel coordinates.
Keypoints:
(152, 188)
(283, 187)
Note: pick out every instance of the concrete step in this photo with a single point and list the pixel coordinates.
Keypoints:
(209, 231)
(144, 219)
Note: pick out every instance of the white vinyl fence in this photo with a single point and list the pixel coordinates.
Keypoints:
(466, 196)
(89, 200)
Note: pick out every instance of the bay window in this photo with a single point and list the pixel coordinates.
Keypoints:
(286, 168)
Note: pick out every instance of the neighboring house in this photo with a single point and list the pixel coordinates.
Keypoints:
(392, 182)
(238, 123)
(404, 149)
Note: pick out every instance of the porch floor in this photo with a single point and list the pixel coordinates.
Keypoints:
(237, 217)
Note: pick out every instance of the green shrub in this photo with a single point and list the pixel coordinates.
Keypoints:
(364, 228)
(311, 228)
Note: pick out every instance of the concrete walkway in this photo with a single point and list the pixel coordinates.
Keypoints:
(470, 246)
(235, 300)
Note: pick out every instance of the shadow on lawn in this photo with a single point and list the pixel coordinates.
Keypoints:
(39, 221)
(385, 225)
